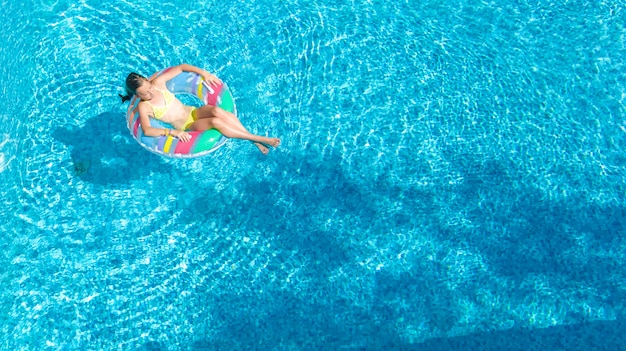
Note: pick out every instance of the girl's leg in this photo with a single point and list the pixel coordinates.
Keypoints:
(220, 112)
(208, 111)
(235, 122)
(231, 132)
(231, 124)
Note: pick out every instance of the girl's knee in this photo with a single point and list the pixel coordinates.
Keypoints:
(221, 113)
(203, 124)
(206, 111)
(213, 112)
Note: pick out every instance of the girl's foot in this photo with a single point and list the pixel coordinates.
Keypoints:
(272, 142)
(264, 150)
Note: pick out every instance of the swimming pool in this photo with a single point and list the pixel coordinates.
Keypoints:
(449, 172)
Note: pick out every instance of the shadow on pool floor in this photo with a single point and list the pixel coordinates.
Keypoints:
(589, 336)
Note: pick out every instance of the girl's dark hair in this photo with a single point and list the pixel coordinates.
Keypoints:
(133, 81)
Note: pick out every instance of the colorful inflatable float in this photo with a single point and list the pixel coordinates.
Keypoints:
(202, 142)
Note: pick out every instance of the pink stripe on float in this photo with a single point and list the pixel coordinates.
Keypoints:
(136, 127)
(185, 148)
(211, 98)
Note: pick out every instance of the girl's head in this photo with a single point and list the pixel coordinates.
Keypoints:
(134, 81)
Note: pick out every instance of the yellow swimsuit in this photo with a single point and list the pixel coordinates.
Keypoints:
(190, 119)
(160, 111)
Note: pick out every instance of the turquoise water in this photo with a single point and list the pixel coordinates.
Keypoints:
(451, 174)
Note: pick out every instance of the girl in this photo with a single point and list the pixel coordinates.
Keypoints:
(159, 103)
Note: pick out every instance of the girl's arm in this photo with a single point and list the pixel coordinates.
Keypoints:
(176, 70)
(144, 118)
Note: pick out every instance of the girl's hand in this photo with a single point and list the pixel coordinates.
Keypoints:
(182, 135)
(211, 78)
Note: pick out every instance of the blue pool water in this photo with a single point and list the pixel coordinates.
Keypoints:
(451, 177)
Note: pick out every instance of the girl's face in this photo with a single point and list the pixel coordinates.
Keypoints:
(145, 91)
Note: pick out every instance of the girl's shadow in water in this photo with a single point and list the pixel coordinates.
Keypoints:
(103, 152)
